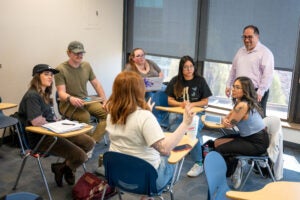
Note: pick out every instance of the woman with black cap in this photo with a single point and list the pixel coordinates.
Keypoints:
(36, 109)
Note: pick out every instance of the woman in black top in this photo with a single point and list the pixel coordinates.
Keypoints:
(36, 109)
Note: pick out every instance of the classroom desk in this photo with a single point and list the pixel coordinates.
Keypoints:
(178, 157)
(213, 125)
(178, 110)
(4, 106)
(34, 153)
(275, 190)
(44, 131)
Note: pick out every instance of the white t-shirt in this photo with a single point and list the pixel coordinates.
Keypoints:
(136, 137)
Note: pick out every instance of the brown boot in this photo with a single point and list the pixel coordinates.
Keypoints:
(69, 176)
(58, 169)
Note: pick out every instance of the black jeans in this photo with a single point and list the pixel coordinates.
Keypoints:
(253, 145)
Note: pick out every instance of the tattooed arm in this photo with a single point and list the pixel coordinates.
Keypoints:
(165, 145)
(238, 113)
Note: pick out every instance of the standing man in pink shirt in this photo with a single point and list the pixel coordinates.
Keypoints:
(255, 61)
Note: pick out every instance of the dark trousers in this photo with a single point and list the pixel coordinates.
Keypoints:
(253, 145)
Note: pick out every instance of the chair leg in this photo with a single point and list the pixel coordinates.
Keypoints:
(119, 194)
(270, 172)
(247, 175)
(21, 170)
(20, 139)
(44, 177)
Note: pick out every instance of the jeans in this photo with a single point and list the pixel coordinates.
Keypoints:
(175, 120)
(165, 173)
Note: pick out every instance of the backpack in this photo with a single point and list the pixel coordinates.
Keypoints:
(91, 187)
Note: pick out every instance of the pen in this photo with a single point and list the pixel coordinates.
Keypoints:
(68, 124)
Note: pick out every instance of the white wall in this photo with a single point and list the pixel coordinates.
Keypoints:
(39, 31)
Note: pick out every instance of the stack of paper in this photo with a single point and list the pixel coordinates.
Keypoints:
(63, 126)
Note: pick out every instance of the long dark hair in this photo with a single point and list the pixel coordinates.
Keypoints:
(178, 86)
(128, 93)
(249, 94)
(36, 83)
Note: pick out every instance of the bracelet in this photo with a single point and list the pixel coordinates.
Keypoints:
(68, 98)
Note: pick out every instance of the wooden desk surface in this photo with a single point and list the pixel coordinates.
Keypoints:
(4, 106)
(275, 190)
(211, 124)
(41, 130)
(177, 156)
(178, 110)
(92, 99)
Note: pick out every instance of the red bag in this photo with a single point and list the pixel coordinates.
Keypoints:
(91, 187)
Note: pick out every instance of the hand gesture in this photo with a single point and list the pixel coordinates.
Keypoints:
(150, 104)
(188, 114)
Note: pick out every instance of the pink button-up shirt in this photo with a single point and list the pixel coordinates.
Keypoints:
(257, 64)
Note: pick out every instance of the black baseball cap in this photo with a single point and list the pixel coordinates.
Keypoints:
(43, 67)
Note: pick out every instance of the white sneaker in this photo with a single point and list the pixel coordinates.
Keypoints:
(237, 176)
(196, 170)
(100, 171)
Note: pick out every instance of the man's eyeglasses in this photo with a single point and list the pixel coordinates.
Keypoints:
(140, 56)
(250, 37)
(188, 67)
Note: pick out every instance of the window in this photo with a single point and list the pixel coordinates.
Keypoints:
(169, 66)
(216, 75)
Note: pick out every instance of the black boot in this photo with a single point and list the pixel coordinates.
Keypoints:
(69, 176)
(58, 169)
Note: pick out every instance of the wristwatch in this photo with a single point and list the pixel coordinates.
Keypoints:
(68, 98)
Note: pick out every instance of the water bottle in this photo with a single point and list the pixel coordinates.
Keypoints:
(193, 128)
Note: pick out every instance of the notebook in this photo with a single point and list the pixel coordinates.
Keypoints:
(153, 83)
(213, 119)
(63, 126)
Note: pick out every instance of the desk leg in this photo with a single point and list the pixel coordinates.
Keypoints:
(177, 171)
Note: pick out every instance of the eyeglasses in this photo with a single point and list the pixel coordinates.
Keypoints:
(250, 37)
(236, 87)
(140, 56)
(188, 67)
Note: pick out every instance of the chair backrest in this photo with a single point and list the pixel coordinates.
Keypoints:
(22, 133)
(215, 171)
(161, 99)
(130, 173)
(275, 149)
(57, 100)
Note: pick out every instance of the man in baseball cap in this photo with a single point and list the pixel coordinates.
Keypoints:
(76, 47)
(71, 85)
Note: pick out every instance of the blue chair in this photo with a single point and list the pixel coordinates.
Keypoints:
(273, 125)
(161, 99)
(132, 174)
(22, 196)
(215, 170)
(6, 121)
